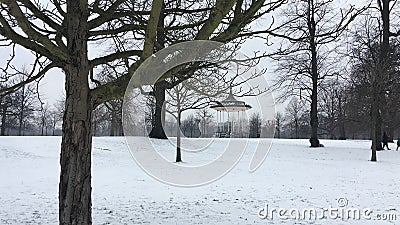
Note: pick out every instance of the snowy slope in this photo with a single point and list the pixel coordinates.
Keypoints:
(293, 176)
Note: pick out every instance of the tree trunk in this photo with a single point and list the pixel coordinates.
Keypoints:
(157, 130)
(75, 178)
(21, 114)
(383, 71)
(342, 128)
(20, 124)
(374, 117)
(42, 129)
(3, 121)
(178, 137)
(121, 128)
(378, 126)
(113, 124)
(314, 111)
(178, 128)
(314, 69)
(54, 127)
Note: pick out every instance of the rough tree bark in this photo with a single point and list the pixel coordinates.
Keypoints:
(75, 179)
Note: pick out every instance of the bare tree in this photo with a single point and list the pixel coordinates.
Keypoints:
(382, 72)
(268, 128)
(100, 121)
(374, 66)
(54, 119)
(184, 97)
(114, 111)
(305, 60)
(5, 107)
(255, 125)
(58, 33)
(190, 126)
(43, 118)
(294, 114)
(332, 111)
(205, 120)
(25, 100)
(279, 119)
(243, 13)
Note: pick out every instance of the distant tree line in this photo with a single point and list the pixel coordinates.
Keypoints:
(24, 113)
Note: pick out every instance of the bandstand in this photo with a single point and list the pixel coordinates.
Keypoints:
(231, 117)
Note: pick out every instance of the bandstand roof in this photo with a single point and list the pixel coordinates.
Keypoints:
(231, 104)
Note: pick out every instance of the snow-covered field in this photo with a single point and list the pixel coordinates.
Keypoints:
(293, 176)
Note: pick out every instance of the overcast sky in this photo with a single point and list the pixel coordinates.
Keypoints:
(52, 85)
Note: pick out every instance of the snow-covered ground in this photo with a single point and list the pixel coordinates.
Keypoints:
(293, 176)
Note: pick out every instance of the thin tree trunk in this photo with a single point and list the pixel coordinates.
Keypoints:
(20, 123)
(21, 114)
(178, 129)
(178, 137)
(374, 116)
(42, 128)
(278, 130)
(378, 127)
(75, 178)
(113, 124)
(54, 126)
(342, 128)
(3, 121)
(121, 128)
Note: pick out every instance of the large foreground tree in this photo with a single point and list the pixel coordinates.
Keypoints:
(57, 34)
